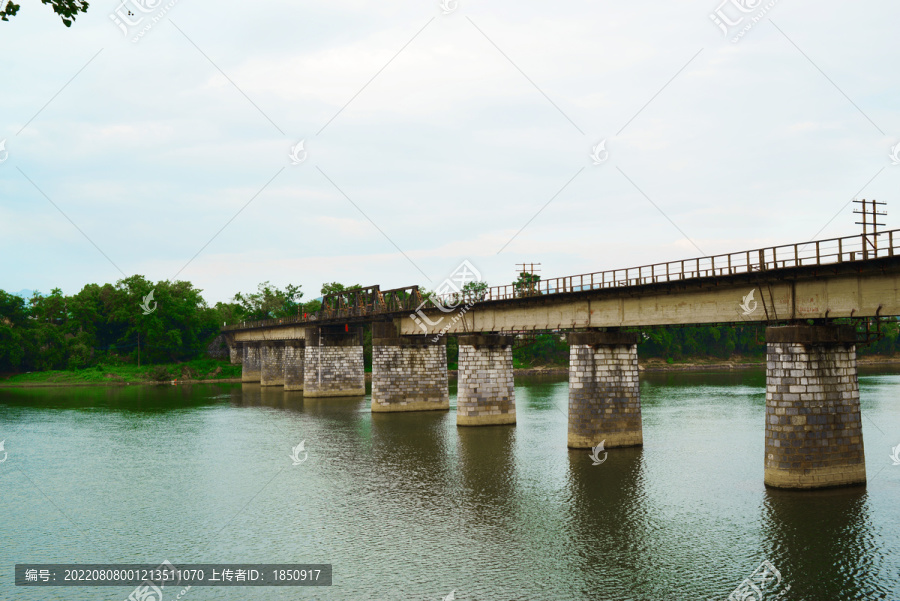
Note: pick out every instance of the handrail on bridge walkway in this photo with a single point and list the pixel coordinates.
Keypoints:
(369, 302)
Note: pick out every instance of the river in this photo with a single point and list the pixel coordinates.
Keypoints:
(411, 507)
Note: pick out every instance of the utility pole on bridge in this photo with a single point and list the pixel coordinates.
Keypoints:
(528, 283)
(874, 213)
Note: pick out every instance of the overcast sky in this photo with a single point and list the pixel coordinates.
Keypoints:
(430, 138)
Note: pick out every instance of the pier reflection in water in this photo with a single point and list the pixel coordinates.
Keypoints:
(830, 529)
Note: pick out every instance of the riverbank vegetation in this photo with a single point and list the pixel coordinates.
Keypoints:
(125, 373)
(125, 327)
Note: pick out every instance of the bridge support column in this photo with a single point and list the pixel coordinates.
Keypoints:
(294, 355)
(235, 353)
(485, 391)
(813, 420)
(272, 363)
(250, 362)
(333, 362)
(604, 391)
(408, 374)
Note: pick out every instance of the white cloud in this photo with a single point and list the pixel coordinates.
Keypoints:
(450, 150)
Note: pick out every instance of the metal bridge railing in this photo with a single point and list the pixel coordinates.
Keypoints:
(820, 252)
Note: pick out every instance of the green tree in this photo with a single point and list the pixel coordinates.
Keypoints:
(546, 349)
(890, 330)
(527, 284)
(335, 288)
(269, 302)
(228, 313)
(89, 329)
(52, 309)
(452, 352)
(474, 291)
(703, 341)
(13, 324)
(44, 342)
(13, 310)
(66, 9)
(312, 306)
(174, 326)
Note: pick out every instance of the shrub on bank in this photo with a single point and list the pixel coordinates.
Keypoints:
(159, 373)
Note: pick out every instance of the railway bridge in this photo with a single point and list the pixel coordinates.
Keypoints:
(813, 435)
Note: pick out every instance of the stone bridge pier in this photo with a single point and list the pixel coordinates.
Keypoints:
(294, 356)
(333, 362)
(408, 373)
(250, 361)
(271, 371)
(235, 352)
(485, 390)
(604, 391)
(813, 420)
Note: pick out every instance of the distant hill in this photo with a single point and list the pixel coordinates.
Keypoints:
(26, 294)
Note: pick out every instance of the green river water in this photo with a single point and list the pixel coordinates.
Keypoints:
(411, 507)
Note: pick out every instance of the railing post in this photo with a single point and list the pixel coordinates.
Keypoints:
(891, 243)
(840, 250)
(762, 259)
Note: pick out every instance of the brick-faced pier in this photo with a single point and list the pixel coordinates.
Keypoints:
(408, 373)
(485, 392)
(813, 420)
(294, 355)
(271, 370)
(604, 390)
(235, 353)
(250, 362)
(333, 362)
